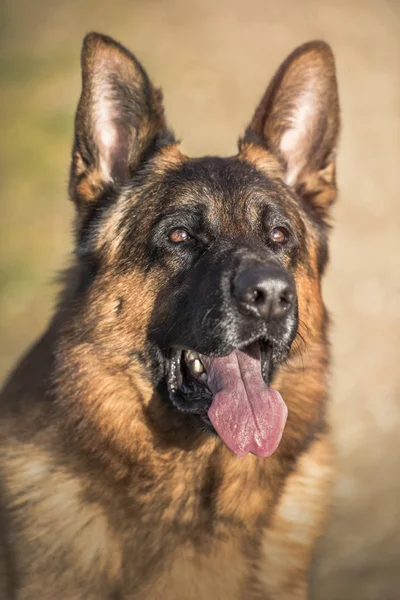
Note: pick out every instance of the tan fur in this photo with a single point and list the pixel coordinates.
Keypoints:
(262, 159)
(300, 513)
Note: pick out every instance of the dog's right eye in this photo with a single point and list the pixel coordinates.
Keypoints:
(179, 235)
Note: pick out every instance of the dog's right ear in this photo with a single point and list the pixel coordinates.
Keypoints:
(119, 121)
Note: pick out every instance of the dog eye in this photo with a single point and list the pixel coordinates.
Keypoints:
(178, 235)
(279, 235)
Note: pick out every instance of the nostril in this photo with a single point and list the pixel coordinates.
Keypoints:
(285, 299)
(257, 296)
(283, 303)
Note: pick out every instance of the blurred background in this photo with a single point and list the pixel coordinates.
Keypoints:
(213, 60)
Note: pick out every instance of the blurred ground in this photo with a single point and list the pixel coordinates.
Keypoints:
(213, 60)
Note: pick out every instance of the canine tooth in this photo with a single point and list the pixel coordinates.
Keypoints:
(197, 366)
(191, 355)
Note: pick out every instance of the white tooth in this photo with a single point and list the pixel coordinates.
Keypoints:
(190, 355)
(197, 366)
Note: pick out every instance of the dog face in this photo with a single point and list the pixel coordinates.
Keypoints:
(206, 268)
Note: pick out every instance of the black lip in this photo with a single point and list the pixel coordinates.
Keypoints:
(189, 395)
(186, 393)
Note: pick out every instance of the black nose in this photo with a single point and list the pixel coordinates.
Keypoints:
(266, 291)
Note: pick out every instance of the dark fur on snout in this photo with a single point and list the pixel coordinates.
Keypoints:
(110, 487)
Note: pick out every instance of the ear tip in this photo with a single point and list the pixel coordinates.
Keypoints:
(317, 45)
(316, 49)
(92, 38)
(93, 41)
(98, 45)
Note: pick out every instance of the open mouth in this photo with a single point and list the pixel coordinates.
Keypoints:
(230, 395)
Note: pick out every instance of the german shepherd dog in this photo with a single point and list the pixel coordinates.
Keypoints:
(144, 454)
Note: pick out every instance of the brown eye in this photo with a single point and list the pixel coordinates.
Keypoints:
(279, 235)
(177, 236)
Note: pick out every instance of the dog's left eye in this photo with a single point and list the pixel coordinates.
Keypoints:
(279, 235)
(179, 235)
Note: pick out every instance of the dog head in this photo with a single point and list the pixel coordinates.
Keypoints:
(205, 270)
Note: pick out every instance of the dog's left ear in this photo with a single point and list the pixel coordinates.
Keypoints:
(119, 121)
(298, 121)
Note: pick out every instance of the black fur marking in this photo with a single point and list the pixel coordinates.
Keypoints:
(88, 271)
(120, 305)
(88, 231)
(137, 357)
(209, 491)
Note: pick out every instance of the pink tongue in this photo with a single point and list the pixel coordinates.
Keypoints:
(247, 414)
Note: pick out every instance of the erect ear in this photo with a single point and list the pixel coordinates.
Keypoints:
(119, 120)
(298, 121)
